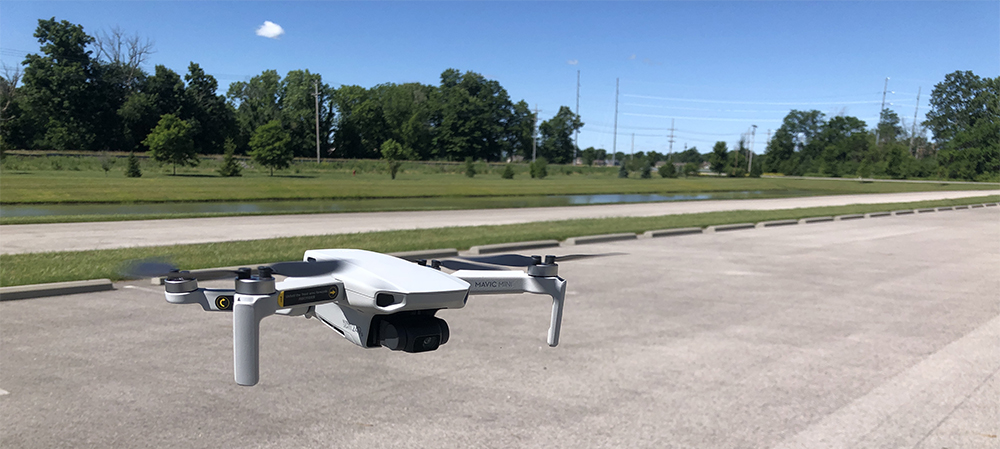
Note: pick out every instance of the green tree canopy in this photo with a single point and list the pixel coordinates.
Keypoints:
(557, 136)
(270, 146)
(171, 141)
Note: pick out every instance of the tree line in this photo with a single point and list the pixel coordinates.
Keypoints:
(90, 93)
(82, 93)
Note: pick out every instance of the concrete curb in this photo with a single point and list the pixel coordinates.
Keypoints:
(514, 246)
(729, 227)
(671, 232)
(54, 289)
(426, 254)
(599, 238)
(815, 220)
(96, 285)
(776, 223)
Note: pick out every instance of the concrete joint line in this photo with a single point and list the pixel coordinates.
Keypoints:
(910, 406)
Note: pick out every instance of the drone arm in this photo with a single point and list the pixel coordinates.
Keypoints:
(211, 300)
(506, 282)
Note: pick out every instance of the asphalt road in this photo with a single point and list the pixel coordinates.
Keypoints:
(15, 239)
(880, 332)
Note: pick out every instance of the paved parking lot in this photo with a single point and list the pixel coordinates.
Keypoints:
(880, 332)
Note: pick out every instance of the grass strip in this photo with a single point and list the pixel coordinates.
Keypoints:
(36, 268)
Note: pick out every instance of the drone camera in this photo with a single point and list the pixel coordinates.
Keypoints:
(412, 333)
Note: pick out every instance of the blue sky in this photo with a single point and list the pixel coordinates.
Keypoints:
(716, 68)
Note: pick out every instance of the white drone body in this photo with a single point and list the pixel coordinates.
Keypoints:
(371, 299)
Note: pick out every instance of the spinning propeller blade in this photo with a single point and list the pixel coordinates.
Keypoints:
(306, 269)
(452, 264)
(517, 260)
(151, 269)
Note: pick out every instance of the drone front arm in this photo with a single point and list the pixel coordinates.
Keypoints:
(211, 300)
(507, 282)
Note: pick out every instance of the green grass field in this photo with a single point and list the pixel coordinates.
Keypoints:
(50, 186)
(20, 269)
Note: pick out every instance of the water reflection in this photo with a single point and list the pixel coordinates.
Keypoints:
(383, 204)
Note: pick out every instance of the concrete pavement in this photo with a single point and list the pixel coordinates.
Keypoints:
(861, 333)
(15, 239)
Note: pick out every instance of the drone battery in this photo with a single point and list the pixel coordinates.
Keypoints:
(412, 333)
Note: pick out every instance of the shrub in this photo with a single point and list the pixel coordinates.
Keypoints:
(229, 166)
(508, 172)
(132, 169)
(647, 172)
(539, 168)
(622, 171)
(470, 167)
(667, 170)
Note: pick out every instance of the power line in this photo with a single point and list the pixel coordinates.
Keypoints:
(772, 103)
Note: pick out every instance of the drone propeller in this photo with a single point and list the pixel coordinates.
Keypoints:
(150, 269)
(517, 260)
(456, 265)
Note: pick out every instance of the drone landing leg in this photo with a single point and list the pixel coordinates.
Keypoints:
(247, 313)
(505, 282)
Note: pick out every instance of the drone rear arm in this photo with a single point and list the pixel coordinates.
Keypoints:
(507, 282)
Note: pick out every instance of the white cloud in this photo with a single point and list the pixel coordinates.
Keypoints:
(632, 57)
(572, 62)
(270, 29)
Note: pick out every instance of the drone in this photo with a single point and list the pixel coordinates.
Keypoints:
(371, 299)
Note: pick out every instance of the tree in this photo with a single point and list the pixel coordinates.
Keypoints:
(470, 167)
(539, 169)
(889, 127)
(690, 169)
(171, 142)
(508, 172)
(256, 102)
(647, 172)
(58, 90)
(125, 52)
(588, 156)
(667, 170)
(393, 153)
(622, 171)
(557, 136)
(965, 121)
(718, 158)
(213, 119)
(230, 167)
(269, 146)
(132, 169)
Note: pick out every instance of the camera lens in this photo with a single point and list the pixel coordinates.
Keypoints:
(412, 333)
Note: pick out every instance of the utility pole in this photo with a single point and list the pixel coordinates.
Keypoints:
(576, 132)
(753, 135)
(671, 141)
(534, 132)
(614, 138)
(879, 125)
(316, 95)
(913, 133)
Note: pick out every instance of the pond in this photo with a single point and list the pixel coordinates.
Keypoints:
(378, 204)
